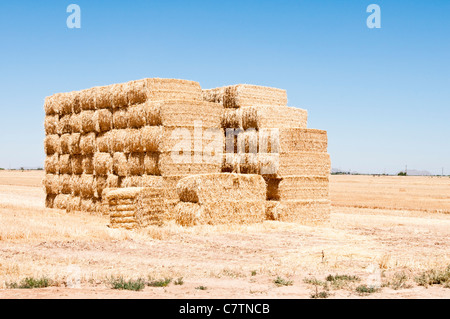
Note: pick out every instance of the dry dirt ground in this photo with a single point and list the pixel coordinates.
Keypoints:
(384, 230)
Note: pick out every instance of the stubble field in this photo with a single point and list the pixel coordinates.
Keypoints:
(384, 236)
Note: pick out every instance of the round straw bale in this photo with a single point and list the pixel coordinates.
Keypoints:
(104, 142)
(120, 118)
(74, 203)
(137, 116)
(136, 91)
(135, 164)
(88, 164)
(77, 164)
(151, 163)
(51, 124)
(87, 205)
(100, 183)
(65, 164)
(51, 164)
(87, 99)
(151, 138)
(66, 102)
(118, 140)
(61, 201)
(87, 186)
(65, 182)
(51, 184)
(75, 182)
(50, 105)
(52, 144)
(64, 126)
(65, 144)
(103, 163)
(120, 164)
(76, 123)
(112, 181)
(152, 113)
(103, 120)
(87, 144)
(74, 144)
(76, 106)
(88, 121)
(49, 200)
(103, 97)
(118, 95)
(133, 141)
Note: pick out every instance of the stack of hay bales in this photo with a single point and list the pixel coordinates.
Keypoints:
(123, 135)
(272, 139)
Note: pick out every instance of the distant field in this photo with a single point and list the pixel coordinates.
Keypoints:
(408, 236)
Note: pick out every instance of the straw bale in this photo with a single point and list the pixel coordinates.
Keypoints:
(273, 117)
(74, 204)
(118, 95)
(137, 116)
(75, 182)
(87, 99)
(65, 144)
(51, 164)
(77, 164)
(103, 163)
(301, 140)
(76, 123)
(133, 141)
(51, 105)
(273, 209)
(103, 120)
(221, 187)
(304, 212)
(103, 97)
(120, 118)
(87, 144)
(214, 95)
(123, 193)
(112, 181)
(87, 121)
(49, 200)
(87, 186)
(151, 163)
(123, 210)
(51, 184)
(100, 184)
(151, 137)
(88, 164)
(65, 182)
(74, 144)
(65, 164)
(51, 124)
(64, 126)
(51, 144)
(87, 205)
(104, 143)
(152, 113)
(61, 103)
(242, 95)
(136, 91)
(170, 164)
(151, 181)
(135, 164)
(120, 164)
(153, 207)
(231, 118)
(118, 140)
(189, 214)
(131, 181)
(297, 188)
(164, 89)
(61, 201)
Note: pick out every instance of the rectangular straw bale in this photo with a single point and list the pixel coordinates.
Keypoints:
(120, 118)
(51, 124)
(75, 182)
(151, 137)
(136, 91)
(297, 188)
(51, 105)
(151, 163)
(133, 142)
(51, 184)
(210, 141)
(151, 181)
(51, 144)
(164, 89)
(123, 193)
(304, 212)
(74, 144)
(88, 164)
(76, 123)
(120, 164)
(242, 95)
(170, 186)
(302, 140)
(51, 164)
(65, 144)
(87, 144)
(87, 121)
(214, 95)
(118, 95)
(137, 116)
(49, 200)
(231, 118)
(176, 113)
(112, 181)
(77, 164)
(103, 142)
(87, 99)
(234, 212)
(64, 126)
(103, 163)
(103, 120)
(273, 117)
(65, 164)
(272, 209)
(189, 214)
(118, 140)
(87, 205)
(131, 181)
(87, 186)
(169, 165)
(205, 188)
(153, 208)
(74, 204)
(61, 201)
(65, 182)
(135, 164)
(152, 113)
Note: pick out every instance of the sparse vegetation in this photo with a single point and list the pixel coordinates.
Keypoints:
(131, 284)
(179, 281)
(283, 282)
(366, 290)
(30, 283)
(434, 277)
(320, 294)
(339, 281)
(398, 281)
(201, 288)
(159, 283)
(253, 272)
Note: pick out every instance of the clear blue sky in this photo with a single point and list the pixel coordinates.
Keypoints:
(383, 95)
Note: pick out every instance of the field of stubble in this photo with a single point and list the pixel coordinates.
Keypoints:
(386, 232)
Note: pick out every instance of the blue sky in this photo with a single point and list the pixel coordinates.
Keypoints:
(383, 95)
